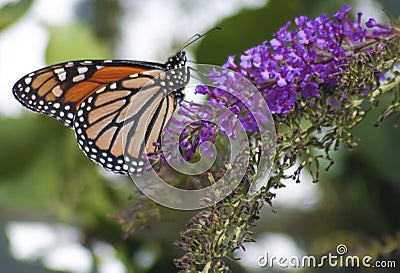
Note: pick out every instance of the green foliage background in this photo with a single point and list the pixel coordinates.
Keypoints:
(45, 177)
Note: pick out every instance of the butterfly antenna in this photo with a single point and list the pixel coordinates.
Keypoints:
(197, 37)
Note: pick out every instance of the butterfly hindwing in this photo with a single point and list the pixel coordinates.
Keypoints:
(119, 123)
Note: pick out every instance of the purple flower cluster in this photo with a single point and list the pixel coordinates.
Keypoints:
(290, 67)
(295, 63)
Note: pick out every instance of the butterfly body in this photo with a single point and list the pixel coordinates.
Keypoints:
(117, 108)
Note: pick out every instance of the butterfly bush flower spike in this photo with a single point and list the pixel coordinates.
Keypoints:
(293, 67)
(319, 77)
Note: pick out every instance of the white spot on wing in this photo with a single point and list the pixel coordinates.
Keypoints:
(82, 69)
(101, 90)
(28, 80)
(59, 70)
(62, 76)
(78, 78)
(57, 91)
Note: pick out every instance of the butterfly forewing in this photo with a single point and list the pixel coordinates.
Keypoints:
(58, 90)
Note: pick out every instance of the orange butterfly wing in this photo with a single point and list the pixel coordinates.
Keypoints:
(118, 109)
(58, 90)
(120, 122)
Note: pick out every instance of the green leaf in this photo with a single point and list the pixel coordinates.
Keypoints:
(74, 42)
(11, 12)
(379, 147)
(28, 168)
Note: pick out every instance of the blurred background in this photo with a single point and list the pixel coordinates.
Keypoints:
(57, 208)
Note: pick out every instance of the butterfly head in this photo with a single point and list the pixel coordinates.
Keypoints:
(176, 61)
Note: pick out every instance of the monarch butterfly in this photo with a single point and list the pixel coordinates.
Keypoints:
(104, 101)
(100, 100)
